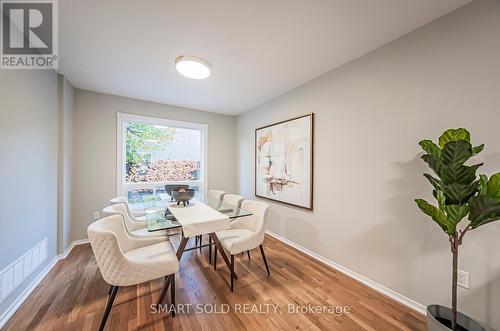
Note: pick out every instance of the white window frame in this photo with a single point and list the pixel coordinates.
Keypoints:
(122, 187)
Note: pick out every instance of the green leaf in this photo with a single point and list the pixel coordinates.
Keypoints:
(493, 187)
(456, 152)
(483, 210)
(434, 163)
(453, 135)
(430, 148)
(437, 215)
(460, 193)
(137, 135)
(441, 200)
(477, 149)
(477, 166)
(458, 173)
(436, 183)
(483, 180)
(457, 212)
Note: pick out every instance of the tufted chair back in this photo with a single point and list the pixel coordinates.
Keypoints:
(257, 222)
(215, 198)
(120, 199)
(109, 241)
(233, 199)
(121, 209)
(132, 213)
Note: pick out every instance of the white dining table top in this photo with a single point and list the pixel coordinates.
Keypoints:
(198, 218)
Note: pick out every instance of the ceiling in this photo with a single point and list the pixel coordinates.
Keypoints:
(257, 49)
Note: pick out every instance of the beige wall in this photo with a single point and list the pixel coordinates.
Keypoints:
(370, 115)
(28, 163)
(95, 146)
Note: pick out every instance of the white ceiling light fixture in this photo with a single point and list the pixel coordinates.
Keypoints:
(192, 67)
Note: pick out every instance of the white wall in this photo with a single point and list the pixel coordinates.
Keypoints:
(65, 162)
(370, 115)
(28, 166)
(95, 146)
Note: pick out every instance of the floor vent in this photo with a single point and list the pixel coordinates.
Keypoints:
(15, 273)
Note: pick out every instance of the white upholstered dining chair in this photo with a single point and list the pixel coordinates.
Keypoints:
(215, 198)
(134, 228)
(246, 233)
(215, 201)
(124, 260)
(232, 199)
(135, 214)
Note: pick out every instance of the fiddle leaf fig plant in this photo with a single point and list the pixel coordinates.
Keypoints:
(460, 193)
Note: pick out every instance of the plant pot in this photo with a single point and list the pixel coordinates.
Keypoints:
(437, 312)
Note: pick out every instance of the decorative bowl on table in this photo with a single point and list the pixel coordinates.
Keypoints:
(174, 187)
(183, 195)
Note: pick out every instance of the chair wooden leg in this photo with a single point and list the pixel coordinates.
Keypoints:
(210, 250)
(201, 242)
(264, 258)
(248, 253)
(232, 271)
(215, 258)
(219, 247)
(196, 240)
(165, 289)
(172, 294)
(111, 297)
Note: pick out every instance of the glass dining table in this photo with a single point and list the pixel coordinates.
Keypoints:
(159, 217)
(159, 209)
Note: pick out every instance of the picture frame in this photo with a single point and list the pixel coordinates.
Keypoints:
(284, 162)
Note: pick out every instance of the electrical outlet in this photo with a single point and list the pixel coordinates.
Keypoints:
(96, 215)
(463, 279)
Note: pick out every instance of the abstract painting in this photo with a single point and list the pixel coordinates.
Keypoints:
(284, 161)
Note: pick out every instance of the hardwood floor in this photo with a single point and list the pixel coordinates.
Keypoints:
(73, 296)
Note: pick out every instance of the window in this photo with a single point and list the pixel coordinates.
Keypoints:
(153, 152)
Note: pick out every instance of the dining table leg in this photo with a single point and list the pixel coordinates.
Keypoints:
(215, 258)
(182, 246)
(222, 252)
(164, 290)
(210, 250)
(168, 279)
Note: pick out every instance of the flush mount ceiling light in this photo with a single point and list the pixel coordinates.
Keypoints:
(192, 67)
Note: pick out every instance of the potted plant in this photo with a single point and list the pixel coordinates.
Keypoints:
(460, 194)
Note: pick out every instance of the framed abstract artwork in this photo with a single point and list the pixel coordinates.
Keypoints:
(284, 161)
